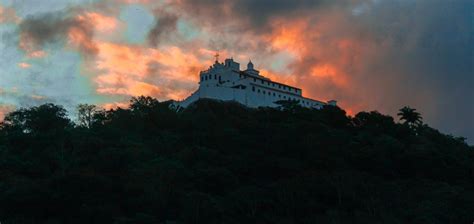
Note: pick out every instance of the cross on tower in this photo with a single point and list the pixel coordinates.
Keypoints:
(217, 57)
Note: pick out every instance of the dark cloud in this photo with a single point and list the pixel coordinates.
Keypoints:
(165, 24)
(254, 14)
(51, 28)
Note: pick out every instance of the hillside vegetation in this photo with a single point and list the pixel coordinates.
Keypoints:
(218, 162)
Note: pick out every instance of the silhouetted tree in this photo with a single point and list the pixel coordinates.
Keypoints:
(38, 120)
(221, 162)
(86, 114)
(410, 117)
(288, 105)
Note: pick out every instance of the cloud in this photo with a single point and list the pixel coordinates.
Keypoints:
(101, 23)
(51, 28)
(5, 109)
(127, 70)
(24, 65)
(8, 15)
(165, 24)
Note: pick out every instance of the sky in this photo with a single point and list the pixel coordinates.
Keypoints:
(366, 54)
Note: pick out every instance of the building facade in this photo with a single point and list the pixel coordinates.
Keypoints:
(226, 82)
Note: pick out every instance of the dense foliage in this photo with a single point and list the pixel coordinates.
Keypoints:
(220, 162)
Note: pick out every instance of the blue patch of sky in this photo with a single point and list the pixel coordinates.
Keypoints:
(10, 56)
(279, 62)
(26, 8)
(187, 30)
(139, 21)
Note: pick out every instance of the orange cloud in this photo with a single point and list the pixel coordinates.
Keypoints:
(109, 106)
(100, 22)
(24, 65)
(79, 39)
(27, 43)
(37, 54)
(5, 109)
(38, 97)
(289, 36)
(8, 15)
(324, 60)
(135, 70)
(330, 72)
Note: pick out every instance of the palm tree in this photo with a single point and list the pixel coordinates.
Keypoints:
(410, 116)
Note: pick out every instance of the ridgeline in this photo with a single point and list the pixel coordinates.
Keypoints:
(218, 162)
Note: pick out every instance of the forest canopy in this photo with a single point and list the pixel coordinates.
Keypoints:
(221, 162)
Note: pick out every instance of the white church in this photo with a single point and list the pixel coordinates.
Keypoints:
(226, 82)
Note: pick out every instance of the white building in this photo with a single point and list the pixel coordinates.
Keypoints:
(225, 81)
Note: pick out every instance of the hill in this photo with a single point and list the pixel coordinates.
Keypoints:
(218, 162)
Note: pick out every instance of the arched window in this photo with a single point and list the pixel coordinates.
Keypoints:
(253, 88)
(215, 76)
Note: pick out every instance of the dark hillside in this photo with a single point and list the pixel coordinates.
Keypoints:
(224, 163)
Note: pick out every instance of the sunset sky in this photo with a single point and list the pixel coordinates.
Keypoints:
(366, 54)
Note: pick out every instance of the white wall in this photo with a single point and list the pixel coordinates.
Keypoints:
(212, 88)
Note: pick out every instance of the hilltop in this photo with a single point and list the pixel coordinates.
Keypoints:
(221, 162)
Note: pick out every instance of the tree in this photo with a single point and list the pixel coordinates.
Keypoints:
(47, 118)
(222, 162)
(86, 114)
(143, 104)
(288, 105)
(410, 117)
(374, 121)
